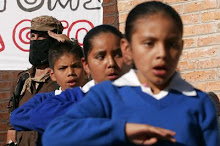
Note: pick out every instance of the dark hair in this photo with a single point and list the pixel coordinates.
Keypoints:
(61, 48)
(87, 42)
(148, 8)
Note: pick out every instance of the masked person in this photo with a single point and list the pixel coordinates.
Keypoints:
(45, 32)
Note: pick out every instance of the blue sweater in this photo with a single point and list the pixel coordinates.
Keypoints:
(42, 108)
(100, 118)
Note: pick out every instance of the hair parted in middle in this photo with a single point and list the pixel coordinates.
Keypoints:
(87, 42)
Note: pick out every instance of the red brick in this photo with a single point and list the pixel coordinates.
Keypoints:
(196, 6)
(189, 42)
(122, 28)
(210, 16)
(178, 8)
(190, 18)
(3, 126)
(174, 1)
(196, 76)
(109, 9)
(5, 85)
(218, 27)
(186, 65)
(198, 53)
(4, 116)
(125, 6)
(209, 86)
(3, 106)
(208, 63)
(109, 20)
(108, 1)
(209, 40)
(3, 138)
(192, 7)
(208, 4)
(122, 17)
(4, 95)
(199, 29)
(5, 75)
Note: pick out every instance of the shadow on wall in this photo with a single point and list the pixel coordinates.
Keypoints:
(216, 101)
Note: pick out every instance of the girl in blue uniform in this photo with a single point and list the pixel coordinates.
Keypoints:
(118, 112)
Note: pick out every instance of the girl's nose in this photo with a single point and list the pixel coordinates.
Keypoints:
(111, 62)
(71, 72)
(161, 51)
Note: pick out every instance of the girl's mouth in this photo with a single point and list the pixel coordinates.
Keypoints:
(71, 83)
(112, 76)
(160, 71)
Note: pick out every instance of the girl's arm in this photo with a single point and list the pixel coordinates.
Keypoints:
(54, 107)
(20, 117)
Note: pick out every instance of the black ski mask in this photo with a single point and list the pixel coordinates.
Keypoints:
(39, 49)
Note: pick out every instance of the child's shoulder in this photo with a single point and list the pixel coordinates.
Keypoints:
(202, 97)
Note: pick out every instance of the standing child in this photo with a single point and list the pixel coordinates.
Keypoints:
(66, 69)
(117, 113)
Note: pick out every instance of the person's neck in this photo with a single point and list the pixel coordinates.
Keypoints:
(154, 88)
(41, 70)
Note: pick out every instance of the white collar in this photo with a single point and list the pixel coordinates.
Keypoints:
(177, 83)
(88, 85)
(58, 91)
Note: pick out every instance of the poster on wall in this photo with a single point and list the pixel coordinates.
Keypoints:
(77, 17)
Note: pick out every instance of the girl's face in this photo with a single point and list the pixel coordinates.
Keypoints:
(156, 45)
(105, 58)
(68, 71)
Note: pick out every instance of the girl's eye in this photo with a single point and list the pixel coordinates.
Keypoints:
(172, 45)
(100, 57)
(61, 68)
(149, 43)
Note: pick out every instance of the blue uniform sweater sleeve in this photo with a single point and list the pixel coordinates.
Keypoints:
(54, 107)
(208, 122)
(87, 123)
(20, 117)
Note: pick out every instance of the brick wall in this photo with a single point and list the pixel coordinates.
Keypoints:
(200, 60)
(6, 79)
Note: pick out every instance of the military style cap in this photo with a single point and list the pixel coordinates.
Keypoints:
(45, 23)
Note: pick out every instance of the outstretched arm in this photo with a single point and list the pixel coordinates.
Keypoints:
(51, 108)
(20, 117)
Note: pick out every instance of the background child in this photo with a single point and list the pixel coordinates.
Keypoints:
(66, 70)
(117, 113)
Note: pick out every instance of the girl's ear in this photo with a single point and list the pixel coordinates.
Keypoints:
(126, 52)
(85, 65)
(52, 76)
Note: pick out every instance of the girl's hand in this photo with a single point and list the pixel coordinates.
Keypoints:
(58, 37)
(143, 134)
